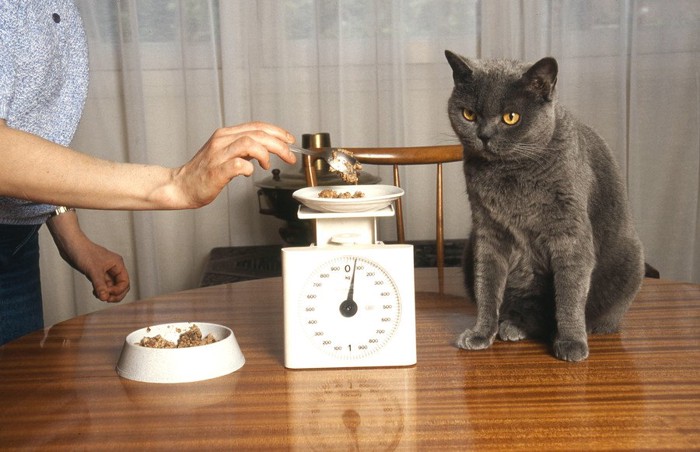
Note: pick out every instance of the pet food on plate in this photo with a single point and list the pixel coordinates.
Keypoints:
(333, 194)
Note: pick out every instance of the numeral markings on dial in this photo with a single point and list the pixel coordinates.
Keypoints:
(351, 307)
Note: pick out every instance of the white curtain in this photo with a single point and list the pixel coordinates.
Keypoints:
(166, 73)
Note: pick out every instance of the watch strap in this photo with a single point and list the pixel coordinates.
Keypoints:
(60, 210)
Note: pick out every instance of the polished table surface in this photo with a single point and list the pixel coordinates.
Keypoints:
(639, 389)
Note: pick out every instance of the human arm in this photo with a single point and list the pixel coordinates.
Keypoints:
(105, 269)
(39, 170)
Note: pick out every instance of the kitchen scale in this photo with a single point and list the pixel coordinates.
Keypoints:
(349, 299)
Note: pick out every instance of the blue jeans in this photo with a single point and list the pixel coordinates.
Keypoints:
(20, 287)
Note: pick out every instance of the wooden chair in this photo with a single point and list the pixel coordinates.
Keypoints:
(399, 156)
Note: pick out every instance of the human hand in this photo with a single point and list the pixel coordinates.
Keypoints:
(105, 270)
(227, 154)
(102, 267)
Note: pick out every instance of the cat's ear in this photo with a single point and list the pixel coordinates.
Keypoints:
(541, 78)
(461, 72)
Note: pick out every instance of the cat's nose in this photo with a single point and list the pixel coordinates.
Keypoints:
(485, 132)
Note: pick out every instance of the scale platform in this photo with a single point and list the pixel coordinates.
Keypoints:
(345, 228)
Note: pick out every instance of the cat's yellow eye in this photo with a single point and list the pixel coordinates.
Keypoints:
(468, 114)
(511, 118)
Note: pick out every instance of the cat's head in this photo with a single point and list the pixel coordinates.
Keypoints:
(502, 109)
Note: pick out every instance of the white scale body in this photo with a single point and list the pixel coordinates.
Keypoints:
(349, 300)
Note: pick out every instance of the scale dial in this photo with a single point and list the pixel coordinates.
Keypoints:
(351, 307)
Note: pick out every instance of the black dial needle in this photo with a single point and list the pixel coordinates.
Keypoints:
(348, 308)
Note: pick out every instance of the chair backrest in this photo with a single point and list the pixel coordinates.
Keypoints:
(399, 156)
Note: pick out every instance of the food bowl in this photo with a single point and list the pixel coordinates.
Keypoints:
(179, 365)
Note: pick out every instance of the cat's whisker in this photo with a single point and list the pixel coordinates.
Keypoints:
(447, 138)
(535, 153)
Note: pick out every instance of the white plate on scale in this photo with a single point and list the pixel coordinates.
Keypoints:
(376, 197)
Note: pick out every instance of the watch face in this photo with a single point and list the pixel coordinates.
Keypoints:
(349, 307)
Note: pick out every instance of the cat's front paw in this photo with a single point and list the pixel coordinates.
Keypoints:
(471, 340)
(511, 331)
(570, 350)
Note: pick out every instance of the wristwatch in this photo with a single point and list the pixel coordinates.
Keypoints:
(60, 210)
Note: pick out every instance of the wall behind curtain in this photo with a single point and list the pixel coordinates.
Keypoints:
(166, 73)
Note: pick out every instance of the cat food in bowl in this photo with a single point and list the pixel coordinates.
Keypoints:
(179, 353)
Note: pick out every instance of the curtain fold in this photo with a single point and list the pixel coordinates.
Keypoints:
(166, 73)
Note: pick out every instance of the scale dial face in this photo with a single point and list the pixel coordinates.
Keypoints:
(350, 307)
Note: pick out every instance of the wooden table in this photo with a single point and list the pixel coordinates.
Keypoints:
(639, 389)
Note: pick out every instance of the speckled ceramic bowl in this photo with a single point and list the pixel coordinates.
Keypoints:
(179, 365)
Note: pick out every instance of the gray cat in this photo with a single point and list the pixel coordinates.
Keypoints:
(553, 251)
